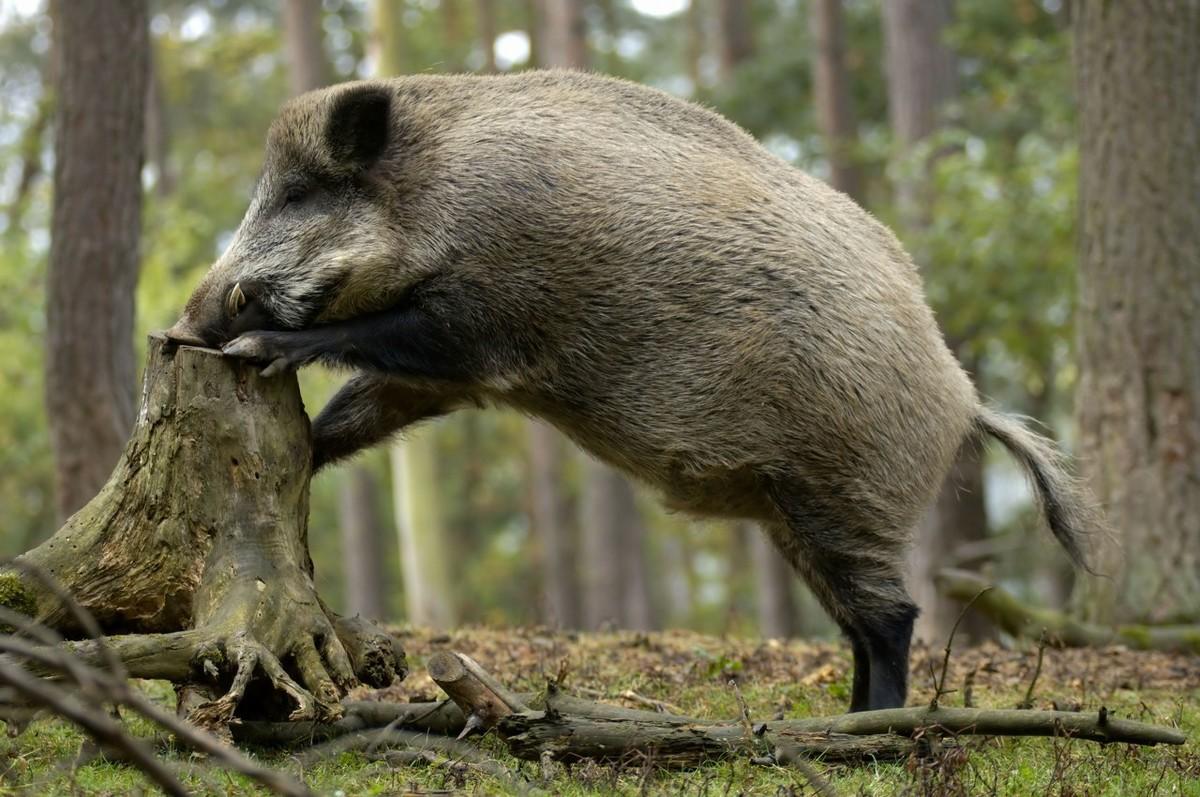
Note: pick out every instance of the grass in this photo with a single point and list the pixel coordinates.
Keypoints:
(692, 672)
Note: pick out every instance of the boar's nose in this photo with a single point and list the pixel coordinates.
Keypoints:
(184, 334)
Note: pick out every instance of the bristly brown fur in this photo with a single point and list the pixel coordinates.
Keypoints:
(641, 273)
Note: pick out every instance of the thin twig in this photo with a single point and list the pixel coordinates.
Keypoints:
(1027, 703)
(940, 685)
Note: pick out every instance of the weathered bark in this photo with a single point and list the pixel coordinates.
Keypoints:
(102, 51)
(555, 725)
(1022, 620)
(1138, 75)
(671, 743)
(563, 40)
(774, 587)
(922, 76)
(831, 89)
(308, 66)
(554, 528)
(194, 554)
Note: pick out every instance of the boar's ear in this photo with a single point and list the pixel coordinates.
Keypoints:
(357, 130)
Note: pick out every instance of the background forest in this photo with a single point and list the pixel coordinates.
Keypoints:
(954, 122)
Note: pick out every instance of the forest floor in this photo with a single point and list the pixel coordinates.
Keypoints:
(691, 673)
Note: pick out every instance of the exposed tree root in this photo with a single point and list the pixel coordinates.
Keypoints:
(1022, 620)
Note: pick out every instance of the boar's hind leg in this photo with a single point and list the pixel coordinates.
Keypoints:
(369, 409)
(856, 574)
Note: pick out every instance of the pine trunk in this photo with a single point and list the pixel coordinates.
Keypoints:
(834, 106)
(362, 543)
(1138, 76)
(102, 50)
(308, 66)
(554, 527)
(775, 589)
(563, 42)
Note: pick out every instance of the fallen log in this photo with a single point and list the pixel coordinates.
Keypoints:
(193, 558)
(1022, 620)
(571, 729)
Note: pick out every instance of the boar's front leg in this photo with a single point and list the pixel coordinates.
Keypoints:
(404, 341)
(369, 409)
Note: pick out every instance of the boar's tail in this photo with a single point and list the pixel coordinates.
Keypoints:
(1070, 509)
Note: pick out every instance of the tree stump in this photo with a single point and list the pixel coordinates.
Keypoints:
(194, 556)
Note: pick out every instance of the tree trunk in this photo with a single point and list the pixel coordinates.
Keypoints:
(452, 35)
(564, 35)
(737, 35)
(695, 44)
(1138, 74)
(922, 77)
(775, 584)
(158, 132)
(362, 543)
(834, 106)
(600, 521)
(102, 49)
(428, 597)
(554, 527)
(308, 66)
(922, 74)
(638, 610)
(196, 552)
(485, 14)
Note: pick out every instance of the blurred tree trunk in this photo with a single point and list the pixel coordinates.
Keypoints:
(485, 15)
(695, 44)
(750, 552)
(554, 527)
(922, 77)
(564, 35)
(308, 66)
(587, 592)
(102, 48)
(362, 543)
(534, 23)
(158, 132)
(834, 106)
(453, 39)
(358, 520)
(737, 35)
(615, 584)
(777, 617)
(1138, 76)
(428, 593)
(599, 522)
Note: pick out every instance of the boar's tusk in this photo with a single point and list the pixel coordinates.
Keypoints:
(236, 301)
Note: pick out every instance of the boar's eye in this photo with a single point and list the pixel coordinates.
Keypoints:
(295, 195)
